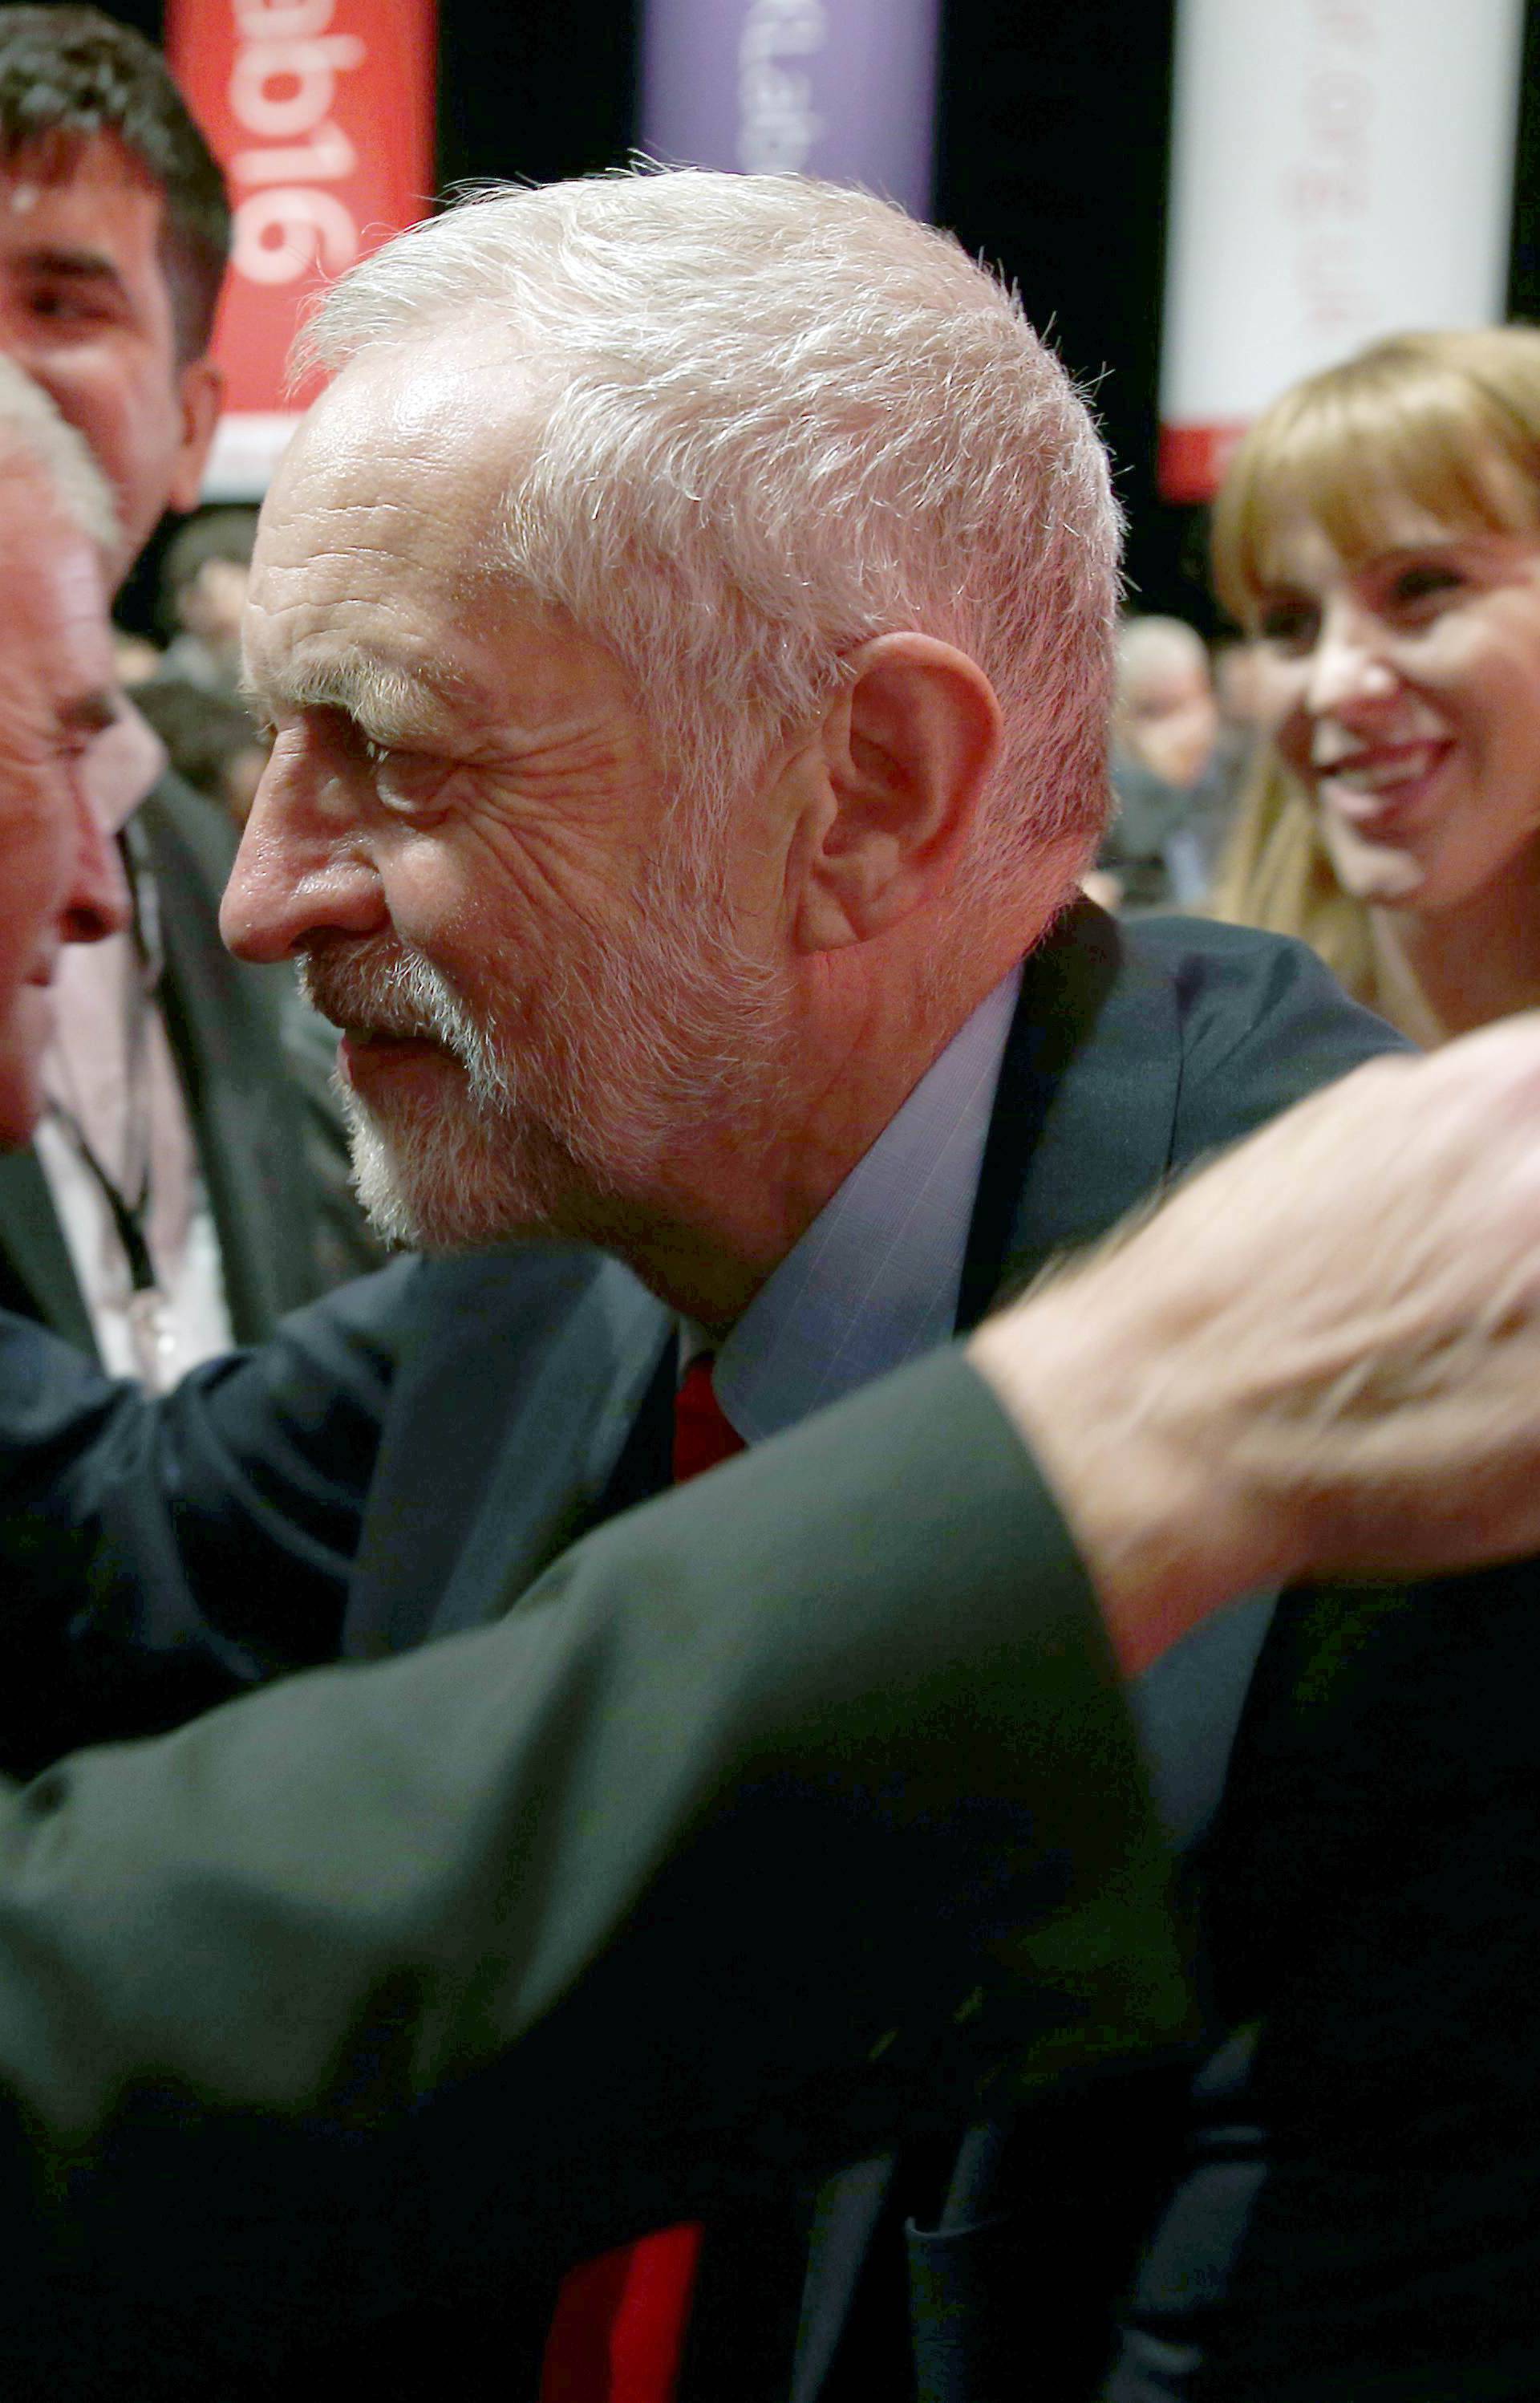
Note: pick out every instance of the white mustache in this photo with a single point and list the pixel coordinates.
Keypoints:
(398, 993)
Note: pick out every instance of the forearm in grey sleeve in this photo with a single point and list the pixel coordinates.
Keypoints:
(792, 1811)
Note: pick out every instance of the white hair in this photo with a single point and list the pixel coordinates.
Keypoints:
(771, 419)
(31, 424)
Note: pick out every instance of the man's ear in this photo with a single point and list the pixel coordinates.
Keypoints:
(199, 390)
(906, 750)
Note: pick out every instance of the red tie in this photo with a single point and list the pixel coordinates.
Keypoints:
(702, 1437)
(618, 2333)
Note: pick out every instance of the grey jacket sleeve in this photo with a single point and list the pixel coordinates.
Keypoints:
(159, 1557)
(794, 1811)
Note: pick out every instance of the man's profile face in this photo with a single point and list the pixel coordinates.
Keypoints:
(59, 880)
(464, 829)
(86, 308)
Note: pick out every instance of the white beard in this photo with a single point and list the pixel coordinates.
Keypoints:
(572, 1101)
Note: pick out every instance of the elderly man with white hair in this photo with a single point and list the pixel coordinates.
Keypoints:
(684, 624)
(56, 695)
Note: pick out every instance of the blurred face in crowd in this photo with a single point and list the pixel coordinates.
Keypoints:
(1168, 715)
(211, 606)
(59, 880)
(463, 831)
(86, 308)
(1411, 679)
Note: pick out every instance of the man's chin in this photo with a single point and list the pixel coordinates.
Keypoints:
(446, 1184)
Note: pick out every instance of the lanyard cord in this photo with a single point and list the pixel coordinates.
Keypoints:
(128, 1217)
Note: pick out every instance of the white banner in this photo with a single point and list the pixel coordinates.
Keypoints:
(1341, 169)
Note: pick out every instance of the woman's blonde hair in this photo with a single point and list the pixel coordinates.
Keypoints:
(1274, 873)
(1449, 420)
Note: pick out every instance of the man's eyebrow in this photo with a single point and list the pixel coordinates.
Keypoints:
(79, 264)
(386, 703)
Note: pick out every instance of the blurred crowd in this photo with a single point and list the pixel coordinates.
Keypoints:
(190, 689)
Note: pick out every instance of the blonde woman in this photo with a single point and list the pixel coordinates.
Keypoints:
(1379, 537)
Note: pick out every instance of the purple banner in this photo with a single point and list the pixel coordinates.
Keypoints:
(838, 88)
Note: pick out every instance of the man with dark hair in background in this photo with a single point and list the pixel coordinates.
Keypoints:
(165, 1208)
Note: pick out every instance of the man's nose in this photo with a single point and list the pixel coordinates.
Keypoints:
(1350, 667)
(301, 871)
(96, 897)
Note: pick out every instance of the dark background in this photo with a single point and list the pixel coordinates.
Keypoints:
(1052, 162)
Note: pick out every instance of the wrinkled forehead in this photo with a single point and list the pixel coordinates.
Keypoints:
(377, 585)
(413, 453)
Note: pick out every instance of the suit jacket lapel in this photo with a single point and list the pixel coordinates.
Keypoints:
(1082, 1130)
(37, 1274)
(566, 1433)
(514, 1384)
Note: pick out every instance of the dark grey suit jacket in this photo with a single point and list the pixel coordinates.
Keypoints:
(404, 1456)
(405, 1985)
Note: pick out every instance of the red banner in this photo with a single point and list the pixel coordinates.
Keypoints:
(321, 113)
(1193, 459)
